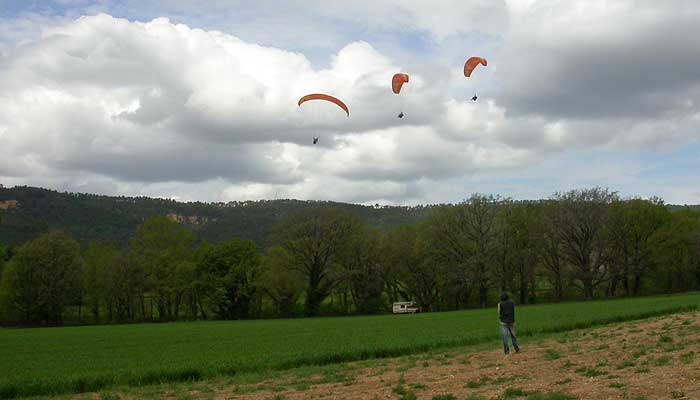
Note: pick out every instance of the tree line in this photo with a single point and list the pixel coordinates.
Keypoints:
(578, 245)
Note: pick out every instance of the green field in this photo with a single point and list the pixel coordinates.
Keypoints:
(78, 359)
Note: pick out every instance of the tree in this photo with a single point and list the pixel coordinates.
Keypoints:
(313, 242)
(504, 262)
(410, 271)
(99, 259)
(43, 278)
(283, 284)
(3, 254)
(4, 306)
(634, 225)
(678, 253)
(186, 284)
(125, 285)
(228, 274)
(581, 219)
(551, 250)
(159, 247)
(3, 257)
(463, 238)
(362, 269)
(522, 226)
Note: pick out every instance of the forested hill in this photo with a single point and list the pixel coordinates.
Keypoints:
(674, 207)
(28, 212)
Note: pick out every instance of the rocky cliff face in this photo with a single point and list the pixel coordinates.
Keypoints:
(8, 204)
(188, 219)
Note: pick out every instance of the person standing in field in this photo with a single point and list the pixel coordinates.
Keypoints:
(506, 313)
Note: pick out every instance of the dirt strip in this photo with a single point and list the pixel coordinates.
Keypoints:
(657, 358)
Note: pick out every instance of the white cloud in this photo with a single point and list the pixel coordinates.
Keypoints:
(159, 108)
(137, 100)
(601, 59)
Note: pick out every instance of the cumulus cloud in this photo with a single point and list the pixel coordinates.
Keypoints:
(601, 59)
(162, 108)
(159, 101)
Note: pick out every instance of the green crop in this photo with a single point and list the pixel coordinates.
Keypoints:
(79, 359)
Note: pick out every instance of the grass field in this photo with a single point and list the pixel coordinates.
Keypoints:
(78, 359)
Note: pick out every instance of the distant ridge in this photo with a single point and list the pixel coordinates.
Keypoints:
(31, 211)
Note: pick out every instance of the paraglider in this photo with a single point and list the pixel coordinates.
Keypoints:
(324, 97)
(469, 66)
(472, 63)
(397, 82)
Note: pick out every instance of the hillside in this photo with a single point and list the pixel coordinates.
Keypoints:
(29, 211)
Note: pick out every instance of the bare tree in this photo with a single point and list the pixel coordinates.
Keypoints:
(634, 227)
(362, 270)
(463, 237)
(581, 220)
(521, 222)
(551, 250)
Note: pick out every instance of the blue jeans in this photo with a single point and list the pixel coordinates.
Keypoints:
(508, 329)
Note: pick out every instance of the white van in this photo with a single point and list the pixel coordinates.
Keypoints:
(405, 307)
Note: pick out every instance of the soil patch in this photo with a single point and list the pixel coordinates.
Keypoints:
(657, 358)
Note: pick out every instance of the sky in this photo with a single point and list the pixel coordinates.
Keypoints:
(197, 101)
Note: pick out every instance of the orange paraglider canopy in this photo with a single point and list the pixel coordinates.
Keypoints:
(321, 96)
(397, 82)
(471, 63)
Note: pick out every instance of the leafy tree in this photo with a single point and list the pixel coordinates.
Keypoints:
(99, 259)
(3, 253)
(3, 257)
(227, 274)
(282, 283)
(125, 289)
(4, 306)
(678, 253)
(43, 278)
(187, 285)
(159, 247)
(313, 242)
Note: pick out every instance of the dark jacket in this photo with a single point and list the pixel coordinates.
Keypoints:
(507, 311)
